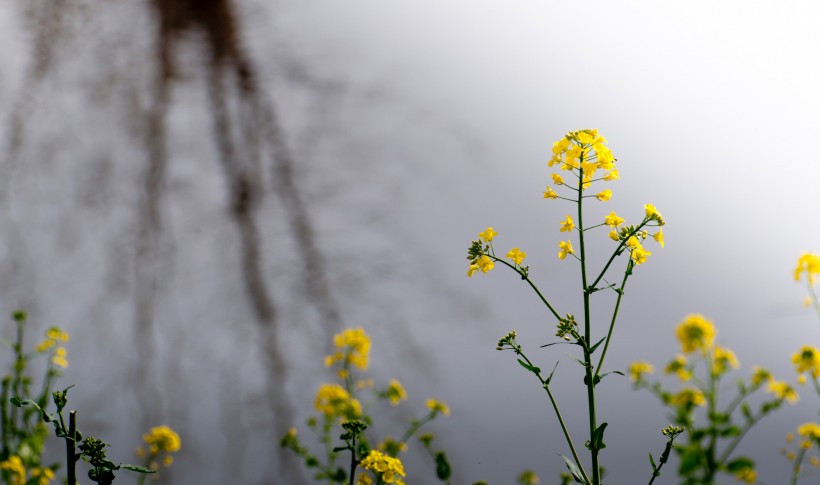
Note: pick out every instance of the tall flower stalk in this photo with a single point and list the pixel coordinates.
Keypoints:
(587, 160)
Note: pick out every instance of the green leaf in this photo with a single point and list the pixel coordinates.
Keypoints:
(443, 470)
(576, 474)
(547, 382)
(16, 402)
(740, 463)
(531, 368)
(747, 412)
(592, 350)
(598, 437)
(730, 431)
(652, 462)
(136, 468)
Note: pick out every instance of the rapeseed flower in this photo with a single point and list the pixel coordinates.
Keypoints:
(679, 367)
(437, 406)
(747, 475)
(517, 255)
(722, 360)
(487, 235)
(550, 194)
(809, 430)
(162, 439)
(782, 390)
(353, 348)
(612, 220)
(658, 237)
(604, 195)
(638, 369)
(565, 248)
(395, 392)
(388, 468)
(567, 225)
(557, 179)
(695, 333)
(653, 214)
(760, 375)
(810, 264)
(807, 360)
(688, 397)
(17, 472)
(612, 175)
(333, 400)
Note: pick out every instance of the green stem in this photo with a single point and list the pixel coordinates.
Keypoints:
(711, 464)
(813, 296)
(70, 442)
(729, 449)
(353, 462)
(614, 316)
(590, 383)
(414, 426)
(615, 253)
(797, 462)
(526, 278)
(664, 458)
(546, 387)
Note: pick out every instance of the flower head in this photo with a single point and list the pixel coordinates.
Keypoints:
(517, 255)
(783, 390)
(810, 264)
(604, 195)
(695, 333)
(557, 179)
(567, 225)
(760, 376)
(658, 237)
(550, 194)
(487, 235)
(612, 220)
(688, 397)
(638, 369)
(162, 439)
(747, 475)
(389, 469)
(333, 400)
(395, 392)
(679, 366)
(565, 248)
(722, 360)
(59, 357)
(17, 472)
(613, 175)
(353, 348)
(437, 406)
(653, 214)
(807, 360)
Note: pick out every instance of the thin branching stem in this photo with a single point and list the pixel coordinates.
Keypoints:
(614, 316)
(526, 278)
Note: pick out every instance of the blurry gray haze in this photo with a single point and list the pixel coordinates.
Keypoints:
(202, 193)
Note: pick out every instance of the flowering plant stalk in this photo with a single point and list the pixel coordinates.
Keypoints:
(344, 421)
(701, 368)
(585, 159)
(807, 365)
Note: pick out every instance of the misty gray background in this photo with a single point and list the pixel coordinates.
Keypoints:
(413, 126)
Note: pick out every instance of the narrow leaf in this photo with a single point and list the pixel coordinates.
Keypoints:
(592, 350)
(533, 369)
(136, 468)
(551, 373)
(652, 462)
(576, 474)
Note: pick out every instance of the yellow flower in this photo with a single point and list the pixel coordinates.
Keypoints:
(760, 375)
(557, 179)
(565, 248)
(364, 480)
(589, 170)
(43, 475)
(637, 252)
(17, 472)
(807, 360)
(395, 392)
(613, 175)
(387, 467)
(604, 195)
(638, 369)
(516, 255)
(653, 214)
(659, 238)
(747, 475)
(688, 396)
(695, 333)
(59, 357)
(333, 400)
(528, 477)
(614, 235)
(550, 194)
(163, 438)
(810, 264)
(567, 225)
(809, 430)
(801, 379)
(806, 302)
(473, 269)
(437, 406)
(782, 390)
(485, 264)
(723, 358)
(45, 345)
(678, 366)
(487, 235)
(353, 346)
(55, 333)
(612, 220)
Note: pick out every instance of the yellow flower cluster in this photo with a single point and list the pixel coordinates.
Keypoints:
(517, 255)
(395, 392)
(333, 400)
(722, 360)
(389, 469)
(162, 439)
(353, 348)
(696, 333)
(638, 369)
(810, 264)
(55, 336)
(783, 390)
(484, 263)
(575, 152)
(16, 470)
(688, 396)
(679, 366)
(747, 475)
(437, 406)
(807, 360)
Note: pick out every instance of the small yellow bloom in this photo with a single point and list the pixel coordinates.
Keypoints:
(679, 367)
(801, 379)
(487, 235)
(659, 238)
(807, 360)
(333, 400)
(163, 438)
(809, 430)
(688, 396)
(59, 357)
(387, 467)
(565, 248)
(567, 225)
(557, 179)
(810, 264)
(55, 333)
(395, 392)
(550, 194)
(612, 220)
(723, 359)
(604, 195)
(485, 263)
(353, 346)
(653, 214)
(782, 390)
(747, 475)
(613, 175)
(638, 369)
(437, 406)
(17, 472)
(473, 269)
(528, 477)
(695, 333)
(45, 345)
(760, 375)
(614, 235)
(517, 255)
(790, 456)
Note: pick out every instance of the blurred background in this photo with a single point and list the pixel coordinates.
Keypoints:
(202, 192)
